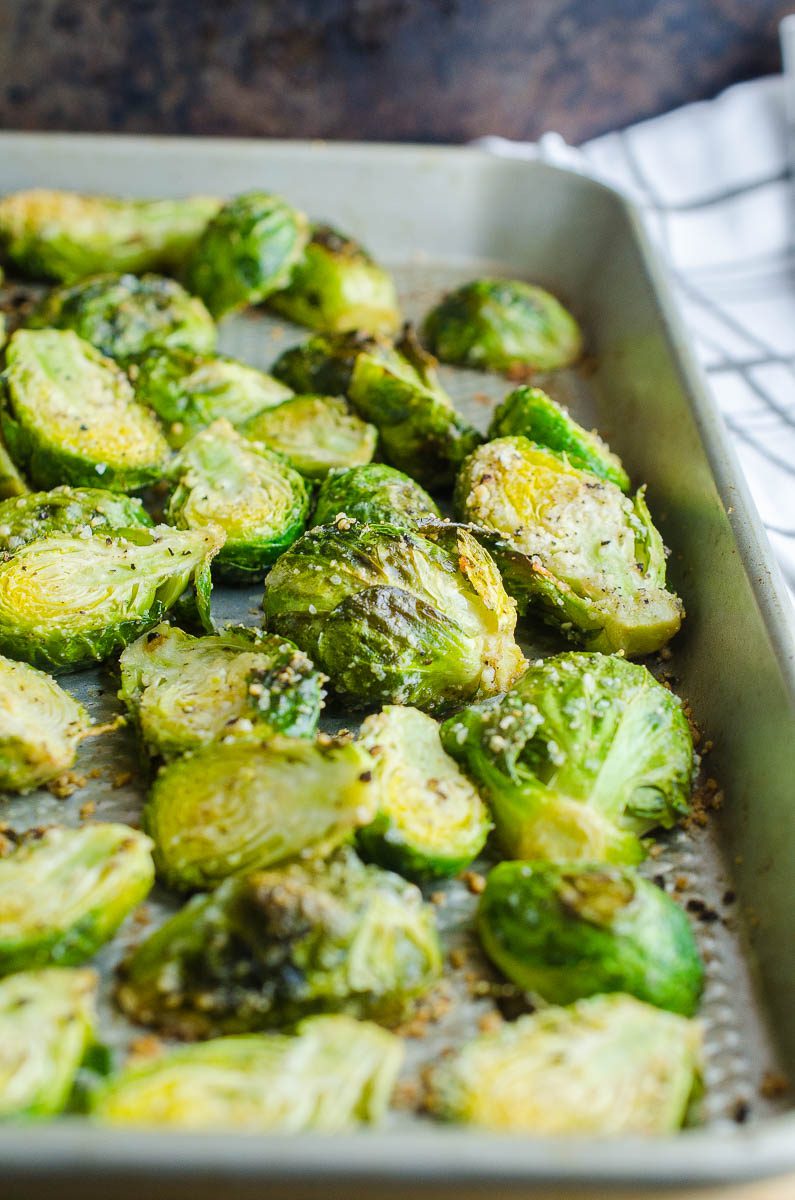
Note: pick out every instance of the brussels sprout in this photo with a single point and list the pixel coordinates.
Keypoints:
(332, 1075)
(596, 563)
(66, 235)
(247, 252)
(607, 1065)
(269, 948)
(235, 807)
(391, 616)
(190, 391)
(503, 325)
(583, 757)
(431, 821)
(126, 315)
(86, 511)
(531, 413)
(40, 727)
(46, 1030)
(565, 932)
(374, 494)
(11, 482)
(316, 433)
(67, 601)
(324, 364)
(336, 286)
(247, 490)
(70, 415)
(394, 387)
(64, 894)
(242, 684)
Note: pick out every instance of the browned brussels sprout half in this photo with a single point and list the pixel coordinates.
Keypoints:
(269, 948)
(316, 433)
(503, 325)
(336, 286)
(85, 511)
(247, 252)
(67, 236)
(374, 494)
(391, 616)
(41, 727)
(594, 560)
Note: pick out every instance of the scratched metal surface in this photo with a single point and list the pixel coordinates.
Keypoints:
(737, 1047)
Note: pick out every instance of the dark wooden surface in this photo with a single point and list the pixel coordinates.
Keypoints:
(427, 70)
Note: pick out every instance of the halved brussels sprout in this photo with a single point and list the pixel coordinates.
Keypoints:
(85, 511)
(269, 948)
(332, 1075)
(336, 286)
(250, 492)
(503, 325)
(391, 616)
(247, 252)
(11, 482)
(323, 365)
(431, 821)
(582, 758)
(394, 387)
(567, 931)
(239, 685)
(67, 235)
(596, 563)
(316, 433)
(374, 494)
(531, 413)
(607, 1065)
(41, 727)
(46, 1030)
(190, 391)
(65, 893)
(126, 315)
(67, 601)
(70, 416)
(233, 808)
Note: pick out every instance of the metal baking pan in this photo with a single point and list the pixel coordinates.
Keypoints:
(439, 216)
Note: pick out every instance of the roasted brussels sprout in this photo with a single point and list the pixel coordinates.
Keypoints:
(85, 511)
(503, 325)
(431, 821)
(11, 482)
(69, 415)
(332, 1075)
(316, 433)
(236, 807)
(531, 413)
(64, 894)
(46, 1030)
(250, 492)
(269, 948)
(394, 387)
(67, 601)
(607, 1065)
(239, 685)
(324, 364)
(596, 564)
(374, 494)
(66, 235)
(336, 286)
(583, 757)
(126, 315)
(569, 931)
(247, 252)
(389, 615)
(40, 727)
(190, 391)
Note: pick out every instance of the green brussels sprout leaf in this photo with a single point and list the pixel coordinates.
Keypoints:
(86, 511)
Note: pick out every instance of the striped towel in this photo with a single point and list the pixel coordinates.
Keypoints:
(713, 182)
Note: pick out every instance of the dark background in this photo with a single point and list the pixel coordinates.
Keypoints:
(425, 70)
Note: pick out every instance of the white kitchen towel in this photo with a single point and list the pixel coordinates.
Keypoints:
(713, 181)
